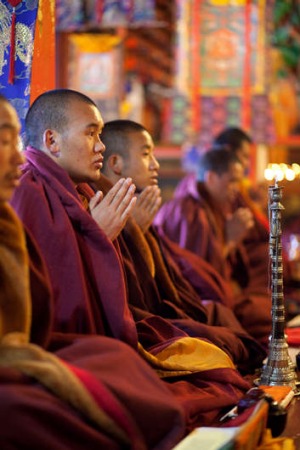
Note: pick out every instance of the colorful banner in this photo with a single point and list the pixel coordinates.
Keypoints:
(222, 68)
(43, 63)
(18, 90)
(232, 35)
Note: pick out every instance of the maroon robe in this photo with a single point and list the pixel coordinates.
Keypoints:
(32, 417)
(167, 293)
(36, 411)
(88, 283)
(82, 263)
(193, 221)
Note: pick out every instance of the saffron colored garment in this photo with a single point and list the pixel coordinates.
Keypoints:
(192, 220)
(88, 282)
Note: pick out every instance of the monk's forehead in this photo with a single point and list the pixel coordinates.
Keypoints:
(8, 116)
(78, 107)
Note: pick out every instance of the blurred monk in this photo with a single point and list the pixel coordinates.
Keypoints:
(202, 218)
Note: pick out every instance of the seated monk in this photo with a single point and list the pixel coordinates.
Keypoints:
(162, 289)
(256, 241)
(201, 218)
(75, 233)
(81, 397)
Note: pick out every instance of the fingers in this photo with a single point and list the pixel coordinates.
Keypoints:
(127, 203)
(245, 217)
(119, 193)
(95, 200)
(128, 210)
(149, 198)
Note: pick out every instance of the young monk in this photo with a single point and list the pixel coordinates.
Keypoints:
(202, 218)
(65, 150)
(162, 289)
(45, 399)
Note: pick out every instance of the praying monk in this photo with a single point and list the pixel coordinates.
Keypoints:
(77, 238)
(201, 218)
(256, 241)
(154, 279)
(81, 397)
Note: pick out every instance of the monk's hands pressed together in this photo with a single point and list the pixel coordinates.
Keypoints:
(147, 205)
(112, 211)
(237, 227)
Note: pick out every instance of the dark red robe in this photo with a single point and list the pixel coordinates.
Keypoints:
(34, 411)
(87, 278)
(192, 220)
(156, 285)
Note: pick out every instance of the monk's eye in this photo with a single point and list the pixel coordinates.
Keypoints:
(5, 142)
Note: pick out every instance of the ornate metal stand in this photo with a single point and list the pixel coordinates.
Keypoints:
(278, 369)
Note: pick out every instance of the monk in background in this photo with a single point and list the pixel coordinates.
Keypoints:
(81, 397)
(203, 219)
(154, 278)
(256, 241)
(76, 231)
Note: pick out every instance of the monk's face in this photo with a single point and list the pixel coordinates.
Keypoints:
(10, 156)
(79, 147)
(243, 154)
(225, 187)
(140, 163)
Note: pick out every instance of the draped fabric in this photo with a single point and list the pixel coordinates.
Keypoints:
(164, 280)
(191, 220)
(18, 92)
(43, 61)
(96, 286)
(89, 291)
(83, 388)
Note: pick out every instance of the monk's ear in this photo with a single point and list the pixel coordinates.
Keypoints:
(115, 164)
(50, 141)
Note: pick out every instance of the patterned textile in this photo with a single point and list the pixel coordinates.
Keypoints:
(18, 92)
(69, 14)
(95, 68)
(119, 12)
(222, 68)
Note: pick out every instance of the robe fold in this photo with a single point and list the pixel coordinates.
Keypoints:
(89, 290)
(156, 285)
(50, 207)
(192, 220)
(81, 397)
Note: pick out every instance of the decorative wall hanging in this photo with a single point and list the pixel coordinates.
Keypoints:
(95, 68)
(222, 67)
(17, 26)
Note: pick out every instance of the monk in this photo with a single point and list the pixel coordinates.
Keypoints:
(76, 233)
(256, 242)
(163, 290)
(202, 218)
(80, 397)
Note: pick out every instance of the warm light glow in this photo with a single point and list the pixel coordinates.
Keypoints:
(268, 173)
(290, 174)
(282, 171)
